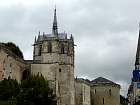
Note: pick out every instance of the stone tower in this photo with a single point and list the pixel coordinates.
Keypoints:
(53, 57)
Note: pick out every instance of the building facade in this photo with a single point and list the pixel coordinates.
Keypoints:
(82, 92)
(104, 92)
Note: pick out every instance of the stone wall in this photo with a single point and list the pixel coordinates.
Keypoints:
(82, 93)
(11, 65)
(105, 95)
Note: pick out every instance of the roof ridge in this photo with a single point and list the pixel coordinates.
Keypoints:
(102, 80)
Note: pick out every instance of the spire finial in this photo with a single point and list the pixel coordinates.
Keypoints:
(54, 28)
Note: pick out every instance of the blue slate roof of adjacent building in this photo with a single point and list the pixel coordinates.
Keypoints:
(101, 80)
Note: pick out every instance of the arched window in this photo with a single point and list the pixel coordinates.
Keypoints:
(103, 101)
(49, 47)
(110, 92)
(59, 70)
(68, 49)
(62, 49)
(39, 50)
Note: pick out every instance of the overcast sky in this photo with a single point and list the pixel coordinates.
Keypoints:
(105, 32)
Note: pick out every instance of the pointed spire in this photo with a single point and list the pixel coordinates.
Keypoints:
(71, 37)
(38, 36)
(137, 63)
(55, 28)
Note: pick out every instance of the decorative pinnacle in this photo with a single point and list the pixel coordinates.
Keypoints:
(54, 28)
(35, 40)
(39, 33)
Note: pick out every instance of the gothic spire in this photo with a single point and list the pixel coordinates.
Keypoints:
(137, 63)
(54, 28)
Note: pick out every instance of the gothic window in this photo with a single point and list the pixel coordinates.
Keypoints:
(110, 92)
(49, 47)
(103, 101)
(62, 49)
(59, 70)
(68, 48)
(39, 50)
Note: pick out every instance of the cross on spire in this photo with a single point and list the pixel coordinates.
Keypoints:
(55, 28)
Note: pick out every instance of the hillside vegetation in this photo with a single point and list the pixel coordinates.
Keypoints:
(14, 48)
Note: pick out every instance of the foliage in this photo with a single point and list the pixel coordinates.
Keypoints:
(8, 88)
(3, 102)
(15, 49)
(123, 100)
(35, 91)
(32, 91)
(12, 101)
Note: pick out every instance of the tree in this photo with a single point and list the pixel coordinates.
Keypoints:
(12, 101)
(123, 100)
(8, 88)
(34, 90)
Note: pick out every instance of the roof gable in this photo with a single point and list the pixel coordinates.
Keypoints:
(101, 80)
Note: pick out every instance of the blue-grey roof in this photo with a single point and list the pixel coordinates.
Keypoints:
(101, 80)
(45, 36)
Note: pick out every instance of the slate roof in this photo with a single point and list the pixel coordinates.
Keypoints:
(101, 80)
(46, 36)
